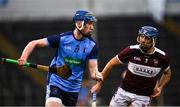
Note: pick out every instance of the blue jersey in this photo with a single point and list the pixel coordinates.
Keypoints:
(74, 53)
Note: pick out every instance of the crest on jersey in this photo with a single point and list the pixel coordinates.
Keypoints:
(155, 62)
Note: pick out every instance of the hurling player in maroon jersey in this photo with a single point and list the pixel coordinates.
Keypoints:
(147, 73)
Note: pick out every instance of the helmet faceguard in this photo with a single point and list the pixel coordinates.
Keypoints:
(149, 32)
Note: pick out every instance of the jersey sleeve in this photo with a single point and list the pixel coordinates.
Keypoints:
(166, 62)
(93, 54)
(54, 41)
(124, 55)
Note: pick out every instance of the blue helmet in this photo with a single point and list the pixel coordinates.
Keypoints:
(82, 15)
(149, 31)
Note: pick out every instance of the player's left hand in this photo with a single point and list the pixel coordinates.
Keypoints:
(21, 61)
(98, 76)
(157, 92)
(96, 88)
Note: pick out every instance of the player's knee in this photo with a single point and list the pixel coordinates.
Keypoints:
(54, 102)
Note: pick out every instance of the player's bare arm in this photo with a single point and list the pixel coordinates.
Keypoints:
(165, 78)
(93, 69)
(107, 69)
(111, 64)
(30, 47)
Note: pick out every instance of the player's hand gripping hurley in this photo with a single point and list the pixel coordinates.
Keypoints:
(94, 100)
(62, 71)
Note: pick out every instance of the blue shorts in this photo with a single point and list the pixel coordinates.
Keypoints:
(68, 98)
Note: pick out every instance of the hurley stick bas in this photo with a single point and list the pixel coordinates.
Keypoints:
(62, 71)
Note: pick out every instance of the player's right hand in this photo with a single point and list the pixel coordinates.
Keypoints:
(157, 92)
(21, 62)
(98, 76)
(97, 87)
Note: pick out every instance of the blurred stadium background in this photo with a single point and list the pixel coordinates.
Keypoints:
(118, 22)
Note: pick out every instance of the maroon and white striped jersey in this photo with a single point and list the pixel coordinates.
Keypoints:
(143, 70)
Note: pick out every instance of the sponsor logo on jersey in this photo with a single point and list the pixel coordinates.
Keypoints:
(67, 47)
(71, 60)
(137, 58)
(143, 70)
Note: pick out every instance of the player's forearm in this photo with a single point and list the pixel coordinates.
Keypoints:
(107, 70)
(165, 79)
(93, 68)
(109, 66)
(105, 74)
(31, 45)
(28, 50)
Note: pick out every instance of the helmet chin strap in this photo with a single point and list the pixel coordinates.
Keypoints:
(80, 28)
(154, 42)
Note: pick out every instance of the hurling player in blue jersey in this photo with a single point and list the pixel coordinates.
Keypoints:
(147, 72)
(75, 49)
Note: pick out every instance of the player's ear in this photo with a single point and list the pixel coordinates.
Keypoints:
(79, 25)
